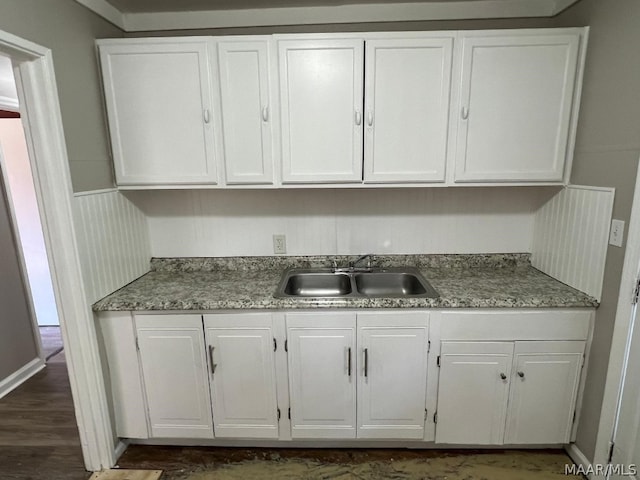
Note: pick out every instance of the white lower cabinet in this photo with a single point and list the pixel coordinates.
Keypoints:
(174, 371)
(243, 376)
(322, 369)
(381, 376)
(392, 380)
(494, 393)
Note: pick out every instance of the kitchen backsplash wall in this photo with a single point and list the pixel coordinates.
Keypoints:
(571, 233)
(113, 241)
(341, 221)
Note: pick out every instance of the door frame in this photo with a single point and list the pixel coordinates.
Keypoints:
(621, 332)
(42, 121)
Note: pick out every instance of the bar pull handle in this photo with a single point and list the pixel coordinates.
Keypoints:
(207, 115)
(465, 113)
(349, 360)
(370, 118)
(265, 113)
(213, 365)
(366, 362)
(358, 117)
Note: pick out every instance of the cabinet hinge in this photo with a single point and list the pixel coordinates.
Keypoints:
(435, 417)
(636, 292)
(275, 345)
(438, 360)
(137, 344)
(286, 345)
(278, 414)
(610, 457)
(428, 346)
(289, 413)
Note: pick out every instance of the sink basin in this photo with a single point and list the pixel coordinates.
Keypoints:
(381, 284)
(325, 283)
(306, 284)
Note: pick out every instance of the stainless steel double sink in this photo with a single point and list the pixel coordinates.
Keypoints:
(374, 282)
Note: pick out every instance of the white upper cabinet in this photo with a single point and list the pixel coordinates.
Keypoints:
(246, 109)
(160, 110)
(515, 105)
(321, 88)
(243, 375)
(407, 109)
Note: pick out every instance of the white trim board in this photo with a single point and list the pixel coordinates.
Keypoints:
(316, 14)
(20, 376)
(38, 95)
(621, 332)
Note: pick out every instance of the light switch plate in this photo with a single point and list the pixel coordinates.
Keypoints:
(616, 233)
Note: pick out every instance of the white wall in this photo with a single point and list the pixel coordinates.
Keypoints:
(23, 198)
(334, 221)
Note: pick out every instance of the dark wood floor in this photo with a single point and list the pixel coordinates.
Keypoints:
(38, 433)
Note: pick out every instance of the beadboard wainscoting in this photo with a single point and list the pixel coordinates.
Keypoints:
(341, 221)
(571, 233)
(113, 241)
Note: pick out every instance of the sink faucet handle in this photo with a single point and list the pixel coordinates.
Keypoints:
(334, 264)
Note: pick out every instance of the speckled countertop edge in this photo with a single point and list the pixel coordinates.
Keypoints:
(229, 283)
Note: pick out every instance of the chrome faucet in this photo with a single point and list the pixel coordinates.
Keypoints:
(368, 256)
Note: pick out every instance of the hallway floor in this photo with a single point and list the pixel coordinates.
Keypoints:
(38, 433)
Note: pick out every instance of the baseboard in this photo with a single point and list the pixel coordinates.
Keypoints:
(17, 378)
(577, 456)
(120, 448)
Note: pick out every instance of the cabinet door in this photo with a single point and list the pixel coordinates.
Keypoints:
(174, 369)
(160, 112)
(322, 369)
(515, 107)
(392, 374)
(407, 109)
(243, 378)
(543, 392)
(246, 111)
(321, 83)
(473, 391)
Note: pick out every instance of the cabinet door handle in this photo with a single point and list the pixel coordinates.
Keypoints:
(366, 362)
(465, 113)
(370, 118)
(503, 376)
(349, 360)
(358, 117)
(521, 374)
(207, 115)
(265, 113)
(213, 365)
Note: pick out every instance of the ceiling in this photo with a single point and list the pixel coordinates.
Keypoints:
(144, 15)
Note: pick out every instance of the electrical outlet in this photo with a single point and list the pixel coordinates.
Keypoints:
(279, 243)
(616, 233)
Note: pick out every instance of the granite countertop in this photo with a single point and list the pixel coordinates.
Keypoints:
(462, 281)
